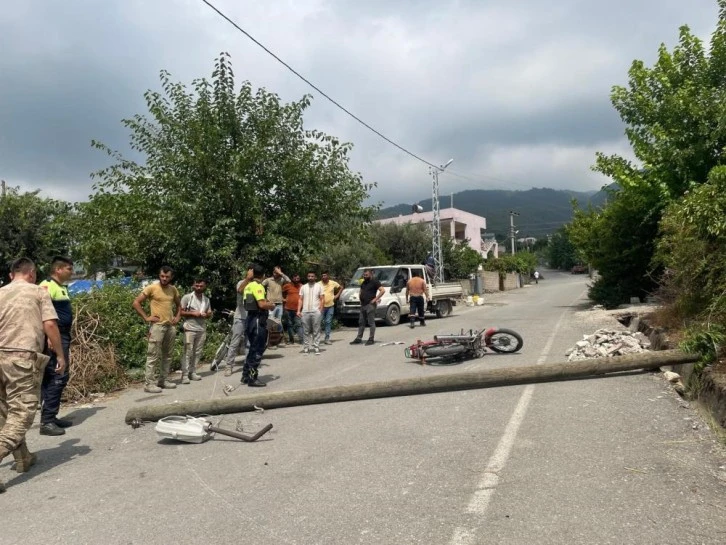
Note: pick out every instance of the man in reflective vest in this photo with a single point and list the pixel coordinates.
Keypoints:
(54, 382)
(258, 308)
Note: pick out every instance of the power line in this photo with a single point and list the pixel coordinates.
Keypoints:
(470, 177)
(291, 69)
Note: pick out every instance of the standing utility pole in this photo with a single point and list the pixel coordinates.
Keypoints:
(511, 227)
(436, 223)
(3, 193)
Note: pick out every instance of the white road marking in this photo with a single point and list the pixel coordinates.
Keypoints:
(480, 499)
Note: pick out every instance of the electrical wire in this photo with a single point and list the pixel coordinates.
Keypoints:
(303, 78)
(475, 178)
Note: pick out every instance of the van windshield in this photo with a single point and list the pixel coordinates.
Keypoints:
(385, 275)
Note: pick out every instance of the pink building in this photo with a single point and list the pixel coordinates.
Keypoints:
(455, 223)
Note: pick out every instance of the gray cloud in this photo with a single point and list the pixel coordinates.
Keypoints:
(517, 93)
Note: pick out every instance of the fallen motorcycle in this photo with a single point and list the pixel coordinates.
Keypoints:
(465, 345)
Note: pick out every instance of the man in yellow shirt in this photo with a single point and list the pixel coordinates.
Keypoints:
(163, 297)
(331, 293)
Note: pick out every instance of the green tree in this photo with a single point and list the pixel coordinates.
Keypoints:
(460, 259)
(230, 176)
(693, 248)
(560, 252)
(33, 226)
(523, 263)
(407, 243)
(105, 230)
(674, 113)
(619, 241)
(341, 260)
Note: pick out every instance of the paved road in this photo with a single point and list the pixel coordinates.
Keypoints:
(613, 460)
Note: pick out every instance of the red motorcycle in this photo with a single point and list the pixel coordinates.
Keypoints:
(458, 347)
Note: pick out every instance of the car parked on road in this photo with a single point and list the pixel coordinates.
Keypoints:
(579, 269)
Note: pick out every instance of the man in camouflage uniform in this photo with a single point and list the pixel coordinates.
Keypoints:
(27, 316)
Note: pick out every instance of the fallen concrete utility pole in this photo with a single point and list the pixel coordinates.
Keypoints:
(487, 378)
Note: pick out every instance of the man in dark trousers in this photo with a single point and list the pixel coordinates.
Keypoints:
(371, 292)
(258, 309)
(54, 382)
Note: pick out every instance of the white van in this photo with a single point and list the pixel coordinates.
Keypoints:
(441, 297)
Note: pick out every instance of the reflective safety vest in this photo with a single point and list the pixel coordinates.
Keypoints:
(62, 303)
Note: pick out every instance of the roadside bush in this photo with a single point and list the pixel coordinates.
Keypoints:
(607, 292)
(119, 325)
(693, 248)
(121, 328)
(523, 263)
(94, 366)
(619, 242)
(709, 340)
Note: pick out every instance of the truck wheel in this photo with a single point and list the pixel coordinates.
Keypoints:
(443, 308)
(393, 315)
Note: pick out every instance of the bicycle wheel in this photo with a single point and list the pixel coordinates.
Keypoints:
(219, 355)
(504, 341)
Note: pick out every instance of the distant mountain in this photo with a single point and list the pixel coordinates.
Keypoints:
(541, 210)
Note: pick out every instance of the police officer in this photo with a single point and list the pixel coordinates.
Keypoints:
(258, 308)
(51, 390)
(27, 316)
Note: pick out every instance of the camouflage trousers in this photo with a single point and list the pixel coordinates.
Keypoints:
(20, 376)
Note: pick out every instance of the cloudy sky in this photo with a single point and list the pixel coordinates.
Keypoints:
(515, 91)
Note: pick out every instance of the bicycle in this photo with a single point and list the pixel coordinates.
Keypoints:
(221, 354)
(275, 335)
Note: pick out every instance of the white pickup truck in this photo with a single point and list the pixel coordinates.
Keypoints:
(441, 297)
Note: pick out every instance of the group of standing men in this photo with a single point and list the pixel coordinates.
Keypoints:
(307, 306)
(36, 322)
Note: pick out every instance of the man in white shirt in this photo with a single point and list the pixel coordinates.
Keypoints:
(310, 310)
(196, 310)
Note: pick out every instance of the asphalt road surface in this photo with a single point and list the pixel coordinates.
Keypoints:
(610, 460)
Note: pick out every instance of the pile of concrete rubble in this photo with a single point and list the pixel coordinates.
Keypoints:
(606, 343)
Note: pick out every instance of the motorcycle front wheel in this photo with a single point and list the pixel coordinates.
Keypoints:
(504, 341)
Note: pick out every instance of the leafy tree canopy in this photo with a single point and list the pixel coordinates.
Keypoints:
(675, 116)
(675, 112)
(230, 177)
(32, 226)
